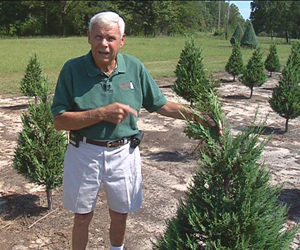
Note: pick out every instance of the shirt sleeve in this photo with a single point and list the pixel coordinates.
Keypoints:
(63, 97)
(153, 98)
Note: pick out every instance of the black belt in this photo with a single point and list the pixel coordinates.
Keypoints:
(108, 144)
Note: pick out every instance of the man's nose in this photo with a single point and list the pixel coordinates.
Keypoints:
(104, 42)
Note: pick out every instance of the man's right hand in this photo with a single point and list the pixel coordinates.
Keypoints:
(114, 113)
(117, 112)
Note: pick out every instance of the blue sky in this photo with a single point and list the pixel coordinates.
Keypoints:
(244, 7)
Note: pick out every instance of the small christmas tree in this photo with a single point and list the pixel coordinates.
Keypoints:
(40, 151)
(249, 38)
(229, 205)
(285, 98)
(235, 64)
(254, 75)
(191, 75)
(31, 84)
(272, 63)
(237, 35)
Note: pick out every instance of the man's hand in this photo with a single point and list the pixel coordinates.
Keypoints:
(209, 121)
(117, 112)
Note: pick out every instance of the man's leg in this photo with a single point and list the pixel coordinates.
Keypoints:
(117, 228)
(81, 230)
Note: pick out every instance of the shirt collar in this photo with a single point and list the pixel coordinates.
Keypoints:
(93, 71)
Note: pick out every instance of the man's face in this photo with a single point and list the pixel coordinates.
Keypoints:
(105, 44)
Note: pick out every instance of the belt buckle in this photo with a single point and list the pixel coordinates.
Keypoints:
(108, 144)
(117, 143)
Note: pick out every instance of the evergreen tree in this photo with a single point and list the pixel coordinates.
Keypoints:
(272, 63)
(249, 38)
(40, 151)
(32, 82)
(235, 64)
(285, 98)
(237, 35)
(254, 75)
(191, 75)
(229, 205)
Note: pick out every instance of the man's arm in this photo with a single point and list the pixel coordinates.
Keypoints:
(177, 111)
(114, 113)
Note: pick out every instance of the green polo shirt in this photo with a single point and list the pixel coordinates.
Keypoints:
(82, 86)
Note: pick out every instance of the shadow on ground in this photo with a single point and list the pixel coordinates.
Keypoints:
(291, 197)
(18, 205)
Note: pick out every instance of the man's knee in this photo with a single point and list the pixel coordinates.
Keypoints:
(83, 219)
(118, 217)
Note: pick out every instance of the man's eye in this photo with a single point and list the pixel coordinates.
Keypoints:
(111, 39)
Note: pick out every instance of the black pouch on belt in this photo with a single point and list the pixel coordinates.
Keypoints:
(74, 139)
(136, 140)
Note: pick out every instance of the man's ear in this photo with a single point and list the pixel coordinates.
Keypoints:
(123, 40)
(89, 36)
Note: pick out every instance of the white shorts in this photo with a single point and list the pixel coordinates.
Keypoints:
(87, 167)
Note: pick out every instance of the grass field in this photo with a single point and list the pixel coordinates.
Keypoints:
(160, 55)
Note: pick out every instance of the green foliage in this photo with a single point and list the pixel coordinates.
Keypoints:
(272, 63)
(40, 151)
(285, 98)
(254, 75)
(249, 38)
(32, 83)
(235, 64)
(191, 75)
(229, 203)
(149, 18)
(237, 35)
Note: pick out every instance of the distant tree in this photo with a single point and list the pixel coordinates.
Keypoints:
(32, 83)
(40, 151)
(237, 35)
(285, 98)
(191, 75)
(230, 203)
(272, 63)
(235, 64)
(249, 38)
(254, 75)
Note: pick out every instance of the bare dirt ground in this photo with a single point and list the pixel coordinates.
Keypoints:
(168, 165)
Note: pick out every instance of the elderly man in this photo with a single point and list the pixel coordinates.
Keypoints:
(97, 98)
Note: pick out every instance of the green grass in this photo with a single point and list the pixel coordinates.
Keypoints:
(160, 55)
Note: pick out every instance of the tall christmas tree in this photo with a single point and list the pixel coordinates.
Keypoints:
(230, 204)
(40, 151)
(249, 38)
(235, 64)
(192, 79)
(237, 35)
(272, 63)
(285, 98)
(31, 83)
(254, 75)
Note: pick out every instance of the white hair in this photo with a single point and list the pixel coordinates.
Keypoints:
(108, 18)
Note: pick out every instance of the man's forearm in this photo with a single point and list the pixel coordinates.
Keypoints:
(77, 120)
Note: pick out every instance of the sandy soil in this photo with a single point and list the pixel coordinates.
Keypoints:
(168, 165)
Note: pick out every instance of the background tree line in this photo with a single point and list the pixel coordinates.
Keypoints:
(147, 18)
(276, 18)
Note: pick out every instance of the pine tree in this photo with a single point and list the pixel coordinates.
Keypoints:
(191, 75)
(229, 204)
(237, 35)
(285, 98)
(40, 151)
(254, 75)
(249, 38)
(235, 64)
(31, 83)
(272, 63)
